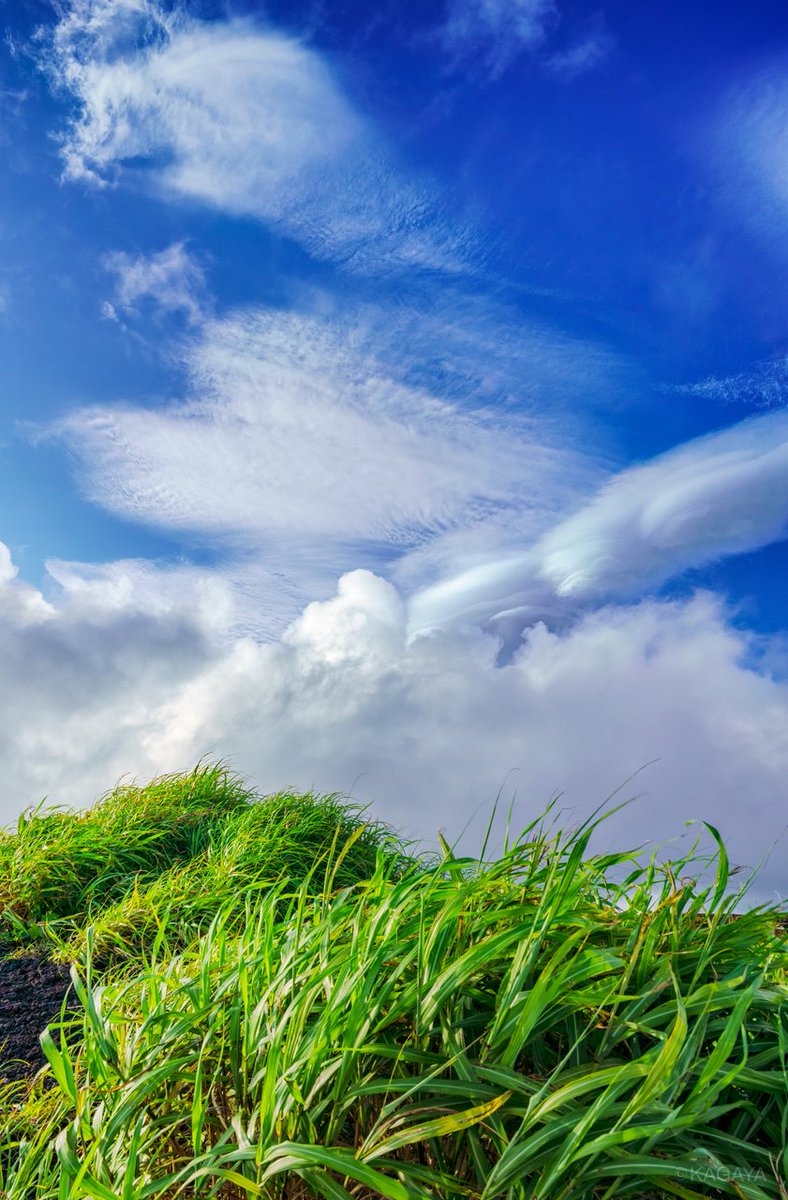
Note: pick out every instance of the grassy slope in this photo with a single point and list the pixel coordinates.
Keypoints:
(278, 1001)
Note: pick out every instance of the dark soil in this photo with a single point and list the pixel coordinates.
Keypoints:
(32, 989)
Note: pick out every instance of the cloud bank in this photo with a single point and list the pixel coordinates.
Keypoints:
(121, 669)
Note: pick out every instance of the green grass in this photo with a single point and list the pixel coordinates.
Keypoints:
(182, 845)
(292, 1005)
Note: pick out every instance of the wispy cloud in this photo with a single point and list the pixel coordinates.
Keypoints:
(299, 448)
(748, 145)
(255, 122)
(763, 386)
(126, 669)
(413, 433)
(297, 441)
(486, 36)
(171, 280)
(241, 118)
(584, 54)
(492, 33)
(725, 493)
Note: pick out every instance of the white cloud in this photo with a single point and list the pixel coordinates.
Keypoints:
(309, 445)
(748, 146)
(299, 445)
(494, 32)
(304, 454)
(172, 280)
(125, 669)
(725, 493)
(314, 447)
(583, 55)
(764, 386)
(241, 118)
(204, 96)
(488, 35)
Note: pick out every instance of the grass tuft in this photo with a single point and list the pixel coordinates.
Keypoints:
(183, 844)
(300, 1008)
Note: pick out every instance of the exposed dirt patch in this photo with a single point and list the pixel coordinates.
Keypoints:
(32, 990)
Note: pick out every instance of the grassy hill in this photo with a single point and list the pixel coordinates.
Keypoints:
(276, 998)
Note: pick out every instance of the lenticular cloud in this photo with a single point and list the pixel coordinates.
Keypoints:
(722, 494)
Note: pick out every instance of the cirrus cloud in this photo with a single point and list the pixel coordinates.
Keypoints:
(241, 118)
(300, 446)
(495, 30)
(171, 280)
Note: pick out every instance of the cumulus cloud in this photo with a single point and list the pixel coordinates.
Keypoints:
(241, 118)
(76, 669)
(725, 493)
(171, 280)
(126, 669)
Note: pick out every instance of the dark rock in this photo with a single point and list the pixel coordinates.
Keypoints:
(32, 990)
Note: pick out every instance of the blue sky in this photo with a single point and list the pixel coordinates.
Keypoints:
(394, 400)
